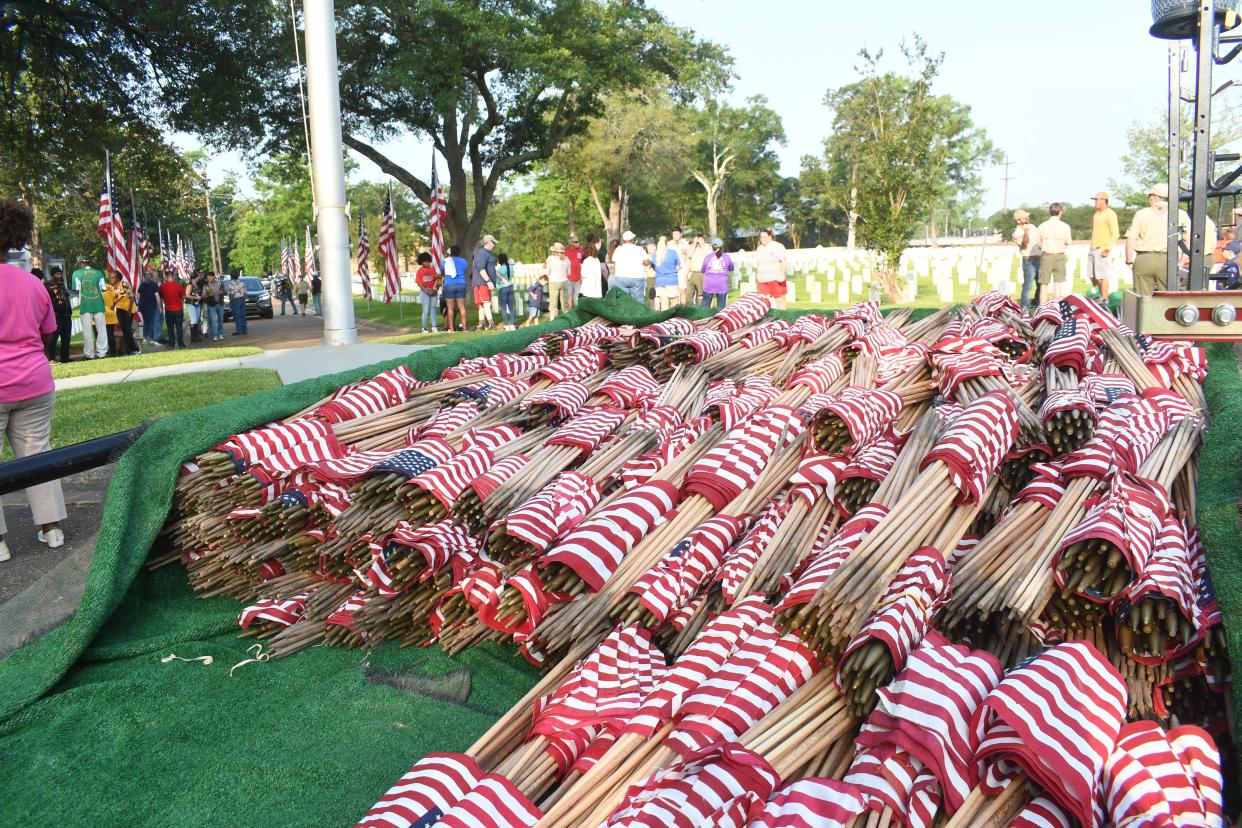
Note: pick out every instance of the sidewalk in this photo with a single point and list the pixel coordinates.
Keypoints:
(291, 364)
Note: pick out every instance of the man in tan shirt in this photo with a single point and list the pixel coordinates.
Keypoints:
(1054, 239)
(1147, 241)
(1104, 235)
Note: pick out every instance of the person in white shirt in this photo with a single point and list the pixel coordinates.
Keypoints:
(628, 275)
(592, 285)
(1054, 240)
(770, 265)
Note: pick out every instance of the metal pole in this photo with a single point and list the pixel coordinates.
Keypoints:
(328, 168)
(1201, 173)
(1175, 172)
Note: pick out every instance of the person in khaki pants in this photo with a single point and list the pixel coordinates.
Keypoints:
(27, 392)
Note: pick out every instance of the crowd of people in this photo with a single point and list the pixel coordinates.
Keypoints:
(677, 268)
(1043, 249)
(164, 307)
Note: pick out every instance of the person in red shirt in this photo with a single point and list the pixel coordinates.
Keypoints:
(172, 297)
(574, 254)
(428, 282)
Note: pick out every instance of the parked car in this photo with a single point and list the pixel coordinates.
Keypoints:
(258, 298)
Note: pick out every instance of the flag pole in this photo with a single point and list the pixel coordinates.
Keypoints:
(328, 168)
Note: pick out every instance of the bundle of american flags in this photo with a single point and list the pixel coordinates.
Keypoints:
(848, 570)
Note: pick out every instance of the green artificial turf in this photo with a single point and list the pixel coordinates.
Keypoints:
(98, 731)
(151, 359)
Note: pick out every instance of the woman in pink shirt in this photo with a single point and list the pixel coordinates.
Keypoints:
(27, 392)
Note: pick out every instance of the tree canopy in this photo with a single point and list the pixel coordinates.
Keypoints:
(905, 149)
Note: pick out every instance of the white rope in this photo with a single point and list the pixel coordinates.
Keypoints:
(206, 660)
(259, 656)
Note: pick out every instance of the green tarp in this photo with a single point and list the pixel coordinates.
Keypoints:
(97, 728)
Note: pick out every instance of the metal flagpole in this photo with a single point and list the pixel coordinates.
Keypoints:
(328, 167)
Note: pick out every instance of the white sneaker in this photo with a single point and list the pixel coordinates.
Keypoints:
(433, 330)
(54, 538)
(4, 551)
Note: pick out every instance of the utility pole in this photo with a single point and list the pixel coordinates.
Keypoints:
(1006, 178)
(328, 171)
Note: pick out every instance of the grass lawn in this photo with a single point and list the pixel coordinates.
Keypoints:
(147, 360)
(85, 413)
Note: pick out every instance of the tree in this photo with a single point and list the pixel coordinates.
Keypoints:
(639, 138)
(532, 214)
(281, 210)
(903, 148)
(494, 87)
(1146, 160)
(809, 217)
(735, 146)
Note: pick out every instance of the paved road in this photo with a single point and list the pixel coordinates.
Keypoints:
(84, 496)
(290, 332)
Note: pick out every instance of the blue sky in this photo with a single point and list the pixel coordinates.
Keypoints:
(1055, 83)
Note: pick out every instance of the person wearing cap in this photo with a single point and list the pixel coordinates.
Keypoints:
(483, 277)
(697, 254)
(1147, 241)
(770, 268)
(1026, 237)
(62, 307)
(556, 267)
(1104, 236)
(627, 268)
(88, 284)
(573, 283)
(1054, 239)
(715, 270)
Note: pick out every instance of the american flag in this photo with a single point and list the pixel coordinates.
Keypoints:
(388, 249)
(285, 269)
(295, 261)
(280, 611)
(496, 476)
(444, 785)
(165, 250)
(587, 430)
(915, 749)
(250, 447)
(810, 803)
(717, 786)
(436, 214)
(595, 548)
(1056, 716)
(602, 691)
(677, 576)
(701, 661)
(974, 445)
(630, 387)
(138, 247)
(1158, 778)
(364, 258)
(309, 254)
(554, 510)
(447, 480)
(563, 399)
(110, 227)
(866, 412)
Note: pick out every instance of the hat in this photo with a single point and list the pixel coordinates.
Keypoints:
(488, 239)
(716, 242)
(628, 236)
(573, 237)
(1018, 215)
(1102, 194)
(557, 248)
(1160, 189)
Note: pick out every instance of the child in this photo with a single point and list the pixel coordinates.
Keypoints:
(428, 282)
(536, 300)
(1228, 276)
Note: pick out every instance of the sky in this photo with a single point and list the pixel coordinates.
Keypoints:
(1055, 84)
